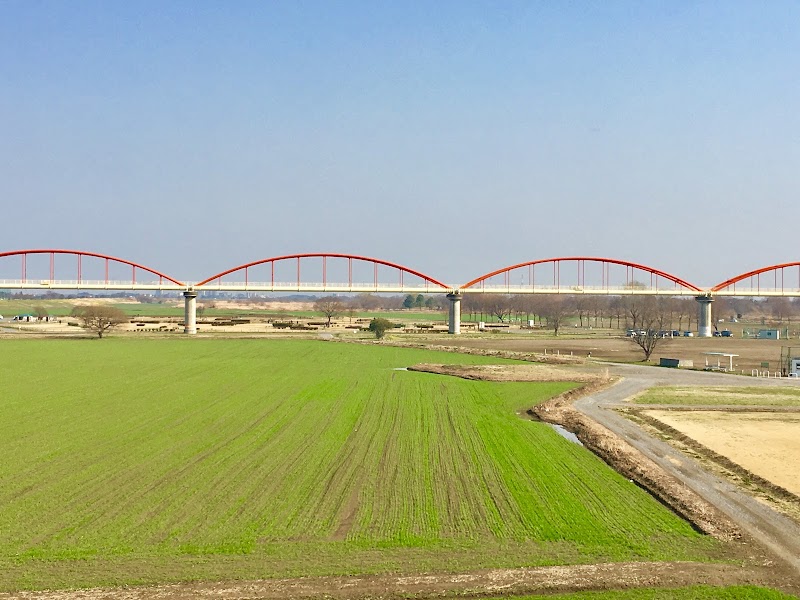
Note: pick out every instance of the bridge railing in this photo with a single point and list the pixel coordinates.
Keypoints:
(599, 290)
(757, 292)
(355, 287)
(83, 284)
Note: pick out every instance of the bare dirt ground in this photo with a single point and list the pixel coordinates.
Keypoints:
(265, 306)
(751, 352)
(765, 443)
(508, 372)
(611, 576)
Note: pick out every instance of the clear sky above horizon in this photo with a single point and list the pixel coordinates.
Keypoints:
(451, 137)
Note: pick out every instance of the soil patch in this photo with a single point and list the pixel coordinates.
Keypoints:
(610, 576)
(764, 443)
(506, 372)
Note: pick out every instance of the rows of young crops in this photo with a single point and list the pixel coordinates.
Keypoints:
(115, 448)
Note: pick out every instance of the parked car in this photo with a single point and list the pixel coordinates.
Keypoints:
(727, 333)
(688, 334)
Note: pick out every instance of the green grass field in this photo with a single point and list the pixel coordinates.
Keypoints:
(720, 396)
(132, 461)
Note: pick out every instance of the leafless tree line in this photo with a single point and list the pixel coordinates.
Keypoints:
(590, 311)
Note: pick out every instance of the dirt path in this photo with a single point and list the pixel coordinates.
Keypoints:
(477, 583)
(776, 532)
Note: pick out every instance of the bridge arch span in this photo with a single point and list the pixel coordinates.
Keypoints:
(780, 283)
(603, 279)
(323, 257)
(80, 255)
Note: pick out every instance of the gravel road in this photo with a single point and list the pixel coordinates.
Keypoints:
(773, 530)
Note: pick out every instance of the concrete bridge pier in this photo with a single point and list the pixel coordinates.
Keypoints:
(454, 317)
(190, 312)
(704, 325)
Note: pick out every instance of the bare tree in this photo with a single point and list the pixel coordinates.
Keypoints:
(554, 309)
(476, 306)
(598, 306)
(500, 306)
(616, 310)
(684, 309)
(779, 308)
(99, 318)
(582, 306)
(330, 306)
(368, 301)
(653, 320)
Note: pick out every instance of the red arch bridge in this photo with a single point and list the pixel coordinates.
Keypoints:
(328, 273)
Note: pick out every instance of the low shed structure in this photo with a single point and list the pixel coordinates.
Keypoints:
(720, 355)
(675, 363)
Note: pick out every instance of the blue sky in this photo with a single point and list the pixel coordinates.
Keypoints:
(453, 137)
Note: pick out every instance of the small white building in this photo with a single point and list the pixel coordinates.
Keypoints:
(794, 366)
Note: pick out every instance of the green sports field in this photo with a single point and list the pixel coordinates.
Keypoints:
(129, 461)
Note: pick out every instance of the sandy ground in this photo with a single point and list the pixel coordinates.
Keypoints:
(768, 444)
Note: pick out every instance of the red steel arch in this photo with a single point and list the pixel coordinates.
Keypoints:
(79, 254)
(757, 273)
(324, 256)
(582, 259)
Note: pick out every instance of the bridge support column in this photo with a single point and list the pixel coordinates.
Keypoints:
(190, 313)
(704, 316)
(454, 318)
